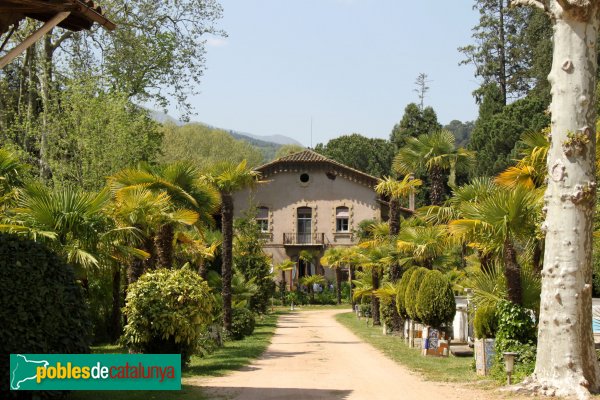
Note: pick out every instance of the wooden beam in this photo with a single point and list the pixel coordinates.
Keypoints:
(34, 37)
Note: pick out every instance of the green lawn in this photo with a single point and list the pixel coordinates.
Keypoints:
(444, 369)
(233, 356)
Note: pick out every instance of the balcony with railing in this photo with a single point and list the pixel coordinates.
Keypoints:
(304, 239)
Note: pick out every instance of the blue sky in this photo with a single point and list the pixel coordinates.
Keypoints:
(348, 64)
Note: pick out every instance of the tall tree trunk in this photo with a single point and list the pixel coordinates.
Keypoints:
(202, 270)
(502, 52)
(163, 242)
(512, 272)
(395, 271)
(227, 265)
(374, 299)
(338, 285)
(566, 363)
(46, 81)
(116, 302)
(350, 279)
(436, 176)
(135, 270)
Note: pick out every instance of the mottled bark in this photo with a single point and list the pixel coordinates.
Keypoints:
(512, 272)
(395, 271)
(374, 299)
(227, 265)
(566, 363)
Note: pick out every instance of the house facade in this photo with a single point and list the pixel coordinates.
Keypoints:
(306, 201)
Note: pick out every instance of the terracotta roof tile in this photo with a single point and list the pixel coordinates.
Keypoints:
(311, 157)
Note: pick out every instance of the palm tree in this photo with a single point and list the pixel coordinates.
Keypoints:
(334, 258)
(531, 169)
(311, 280)
(434, 152)
(283, 267)
(423, 245)
(229, 178)
(147, 211)
(12, 175)
(183, 182)
(500, 224)
(396, 190)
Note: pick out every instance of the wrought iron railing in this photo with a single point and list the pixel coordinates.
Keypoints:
(308, 239)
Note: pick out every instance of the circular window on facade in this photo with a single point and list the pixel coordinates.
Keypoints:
(304, 178)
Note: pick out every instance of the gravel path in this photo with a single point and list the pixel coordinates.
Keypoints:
(312, 356)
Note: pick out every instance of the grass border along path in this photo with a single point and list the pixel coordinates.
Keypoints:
(232, 356)
(444, 369)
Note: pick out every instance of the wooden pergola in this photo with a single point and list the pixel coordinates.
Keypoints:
(74, 15)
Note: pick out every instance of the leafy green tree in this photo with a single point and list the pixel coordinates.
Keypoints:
(94, 134)
(288, 149)
(205, 146)
(228, 178)
(158, 52)
(415, 121)
(499, 53)
(461, 131)
(250, 259)
(496, 133)
(372, 156)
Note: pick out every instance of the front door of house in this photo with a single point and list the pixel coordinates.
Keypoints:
(304, 225)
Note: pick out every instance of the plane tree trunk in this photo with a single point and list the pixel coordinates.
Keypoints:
(566, 362)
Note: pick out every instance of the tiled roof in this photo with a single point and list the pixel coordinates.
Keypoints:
(83, 13)
(304, 156)
(311, 157)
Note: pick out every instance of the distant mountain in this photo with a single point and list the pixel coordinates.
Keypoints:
(278, 139)
(257, 140)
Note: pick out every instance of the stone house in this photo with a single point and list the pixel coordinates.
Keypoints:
(309, 202)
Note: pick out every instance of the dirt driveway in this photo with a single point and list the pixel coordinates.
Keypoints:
(312, 356)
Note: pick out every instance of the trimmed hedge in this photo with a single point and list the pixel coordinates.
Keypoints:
(243, 323)
(412, 290)
(43, 307)
(167, 312)
(435, 301)
(400, 301)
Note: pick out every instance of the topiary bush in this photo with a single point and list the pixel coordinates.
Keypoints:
(400, 294)
(167, 312)
(435, 300)
(243, 323)
(43, 307)
(485, 322)
(412, 290)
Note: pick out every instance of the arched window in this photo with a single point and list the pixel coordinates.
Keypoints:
(262, 218)
(342, 218)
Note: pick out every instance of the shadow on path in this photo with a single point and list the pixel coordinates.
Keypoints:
(266, 393)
